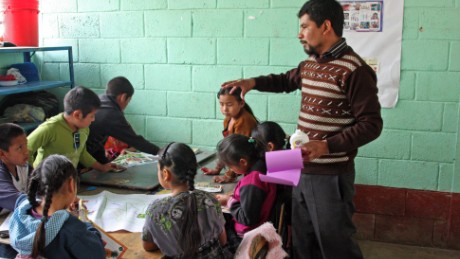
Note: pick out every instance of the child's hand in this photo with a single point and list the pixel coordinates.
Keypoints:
(125, 150)
(223, 199)
(228, 177)
(73, 207)
(245, 84)
(109, 167)
(82, 212)
(208, 171)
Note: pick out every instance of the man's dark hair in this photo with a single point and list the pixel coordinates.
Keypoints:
(119, 85)
(81, 98)
(321, 10)
(9, 131)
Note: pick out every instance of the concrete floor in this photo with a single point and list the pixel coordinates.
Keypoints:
(379, 250)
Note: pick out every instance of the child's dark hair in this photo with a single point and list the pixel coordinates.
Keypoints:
(119, 85)
(81, 98)
(181, 162)
(235, 147)
(237, 95)
(321, 10)
(9, 131)
(47, 179)
(269, 131)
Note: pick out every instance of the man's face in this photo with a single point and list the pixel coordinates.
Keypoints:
(311, 36)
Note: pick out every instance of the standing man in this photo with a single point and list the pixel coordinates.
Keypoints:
(110, 121)
(340, 112)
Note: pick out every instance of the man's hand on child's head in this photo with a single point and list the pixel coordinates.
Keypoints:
(245, 84)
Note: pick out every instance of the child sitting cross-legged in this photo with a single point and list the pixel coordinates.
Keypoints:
(252, 200)
(45, 228)
(188, 224)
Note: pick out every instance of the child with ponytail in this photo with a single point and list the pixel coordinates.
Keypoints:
(252, 200)
(45, 228)
(188, 224)
(272, 135)
(239, 119)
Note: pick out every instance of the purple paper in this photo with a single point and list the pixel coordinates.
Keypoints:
(284, 160)
(289, 177)
(283, 167)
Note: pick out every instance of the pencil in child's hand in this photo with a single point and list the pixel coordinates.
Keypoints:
(82, 211)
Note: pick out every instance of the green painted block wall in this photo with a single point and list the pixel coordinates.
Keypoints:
(177, 53)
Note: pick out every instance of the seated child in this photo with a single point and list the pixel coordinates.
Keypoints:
(67, 132)
(188, 224)
(239, 119)
(252, 200)
(273, 136)
(45, 228)
(14, 172)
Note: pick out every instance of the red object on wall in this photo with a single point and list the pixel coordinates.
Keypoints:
(21, 22)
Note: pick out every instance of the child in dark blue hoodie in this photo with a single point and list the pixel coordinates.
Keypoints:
(45, 227)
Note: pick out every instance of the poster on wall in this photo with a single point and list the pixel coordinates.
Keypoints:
(374, 30)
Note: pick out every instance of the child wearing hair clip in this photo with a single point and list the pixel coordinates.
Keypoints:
(274, 138)
(239, 119)
(272, 135)
(45, 228)
(188, 224)
(252, 200)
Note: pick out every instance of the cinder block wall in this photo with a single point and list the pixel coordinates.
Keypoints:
(178, 52)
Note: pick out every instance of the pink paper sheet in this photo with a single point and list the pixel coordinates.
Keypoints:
(283, 167)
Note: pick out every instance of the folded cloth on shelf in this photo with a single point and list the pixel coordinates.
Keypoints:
(15, 72)
(28, 70)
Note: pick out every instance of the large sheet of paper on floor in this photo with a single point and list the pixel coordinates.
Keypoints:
(114, 212)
